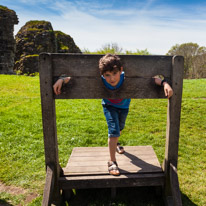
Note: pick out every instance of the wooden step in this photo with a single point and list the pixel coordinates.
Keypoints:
(93, 161)
(109, 181)
(87, 168)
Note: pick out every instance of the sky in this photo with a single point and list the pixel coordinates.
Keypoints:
(155, 25)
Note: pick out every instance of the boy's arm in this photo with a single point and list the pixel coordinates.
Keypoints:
(58, 84)
(167, 88)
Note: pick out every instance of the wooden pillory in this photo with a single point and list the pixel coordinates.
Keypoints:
(87, 167)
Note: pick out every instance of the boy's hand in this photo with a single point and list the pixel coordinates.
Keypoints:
(58, 85)
(168, 90)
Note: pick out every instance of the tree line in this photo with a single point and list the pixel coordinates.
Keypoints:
(194, 59)
(194, 56)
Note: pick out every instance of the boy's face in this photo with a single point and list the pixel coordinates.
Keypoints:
(113, 77)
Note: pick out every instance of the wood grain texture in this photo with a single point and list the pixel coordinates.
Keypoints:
(49, 186)
(109, 181)
(86, 82)
(49, 121)
(93, 161)
(48, 111)
(134, 65)
(93, 88)
(174, 112)
(173, 121)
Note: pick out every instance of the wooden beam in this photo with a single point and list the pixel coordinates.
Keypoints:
(173, 120)
(134, 65)
(86, 82)
(49, 185)
(108, 181)
(49, 120)
(93, 88)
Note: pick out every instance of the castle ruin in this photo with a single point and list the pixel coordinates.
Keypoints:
(7, 42)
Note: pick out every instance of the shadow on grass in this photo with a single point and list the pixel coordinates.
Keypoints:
(4, 203)
(186, 201)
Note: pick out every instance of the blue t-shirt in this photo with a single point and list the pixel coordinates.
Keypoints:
(119, 103)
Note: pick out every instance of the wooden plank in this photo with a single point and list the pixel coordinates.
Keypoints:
(86, 82)
(121, 161)
(48, 111)
(104, 169)
(130, 151)
(140, 149)
(174, 112)
(84, 160)
(107, 176)
(49, 185)
(105, 153)
(93, 88)
(73, 171)
(173, 120)
(119, 158)
(108, 181)
(134, 65)
(49, 120)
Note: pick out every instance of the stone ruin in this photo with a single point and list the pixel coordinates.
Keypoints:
(7, 42)
(36, 37)
(20, 55)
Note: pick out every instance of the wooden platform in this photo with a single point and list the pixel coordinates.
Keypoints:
(87, 168)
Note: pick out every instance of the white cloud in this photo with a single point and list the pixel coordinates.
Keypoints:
(156, 28)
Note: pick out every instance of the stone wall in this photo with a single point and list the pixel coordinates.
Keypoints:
(20, 55)
(36, 37)
(7, 43)
(65, 43)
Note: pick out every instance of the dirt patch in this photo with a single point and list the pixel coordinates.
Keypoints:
(31, 197)
(13, 190)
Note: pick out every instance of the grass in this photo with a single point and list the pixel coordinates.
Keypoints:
(81, 123)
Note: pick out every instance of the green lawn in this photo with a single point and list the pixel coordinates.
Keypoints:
(81, 123)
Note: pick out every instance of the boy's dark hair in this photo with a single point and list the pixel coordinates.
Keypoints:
(109, 62)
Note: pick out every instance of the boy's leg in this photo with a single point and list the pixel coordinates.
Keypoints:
(112, 143)
(111, 115)
(112, 164)
(122, 118)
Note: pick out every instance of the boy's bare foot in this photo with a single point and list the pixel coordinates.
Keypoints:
(120, 149)
(113, 168)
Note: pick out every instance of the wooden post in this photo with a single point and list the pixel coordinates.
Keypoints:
(49, 186)
(173, 121)
(49, 121)
(177, 200)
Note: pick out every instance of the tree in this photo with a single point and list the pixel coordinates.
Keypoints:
(138, 52)
(112, 48)
(191, 52)
(199, 66)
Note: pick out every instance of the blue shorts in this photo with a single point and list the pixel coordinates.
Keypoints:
(116, 118)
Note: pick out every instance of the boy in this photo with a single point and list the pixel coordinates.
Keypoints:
(115, 110)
